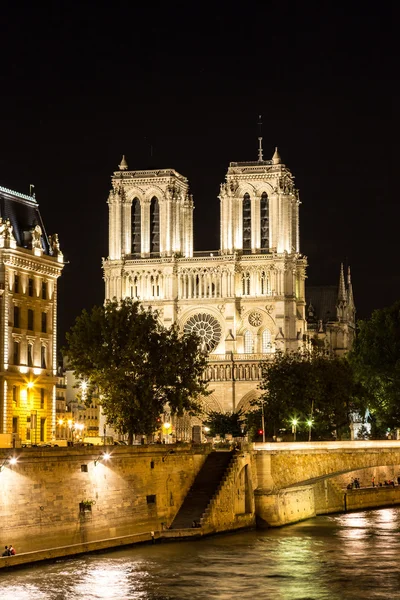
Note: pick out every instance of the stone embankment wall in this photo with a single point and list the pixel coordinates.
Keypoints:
(232, 507)
(138, 490)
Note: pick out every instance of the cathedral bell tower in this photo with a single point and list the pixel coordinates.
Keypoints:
(150, 214)
(259, 208)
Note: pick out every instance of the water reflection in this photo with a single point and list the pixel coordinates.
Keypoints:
(339, 557)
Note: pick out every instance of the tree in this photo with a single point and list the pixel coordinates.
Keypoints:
(220, 423)
(137, 365)
(376, 360)
(308, 386)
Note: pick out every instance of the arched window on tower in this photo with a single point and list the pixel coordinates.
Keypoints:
(136, 226)
(264, 217)
(246, 222)
(264, 283)
(155, 286)
(154, 225)
(266, 342)
(248, 342)
(246, 283)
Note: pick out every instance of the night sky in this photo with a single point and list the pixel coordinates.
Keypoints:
(181, 87)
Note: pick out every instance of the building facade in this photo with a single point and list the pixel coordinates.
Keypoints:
(30, 264)
(245, 300)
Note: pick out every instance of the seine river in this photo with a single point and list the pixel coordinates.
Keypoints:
(337, 557)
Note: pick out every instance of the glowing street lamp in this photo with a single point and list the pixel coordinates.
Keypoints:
(105, 456)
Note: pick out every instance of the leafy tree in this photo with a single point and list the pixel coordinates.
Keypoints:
(137, 365)
(309, 385)
(376, 360)
(225, 423)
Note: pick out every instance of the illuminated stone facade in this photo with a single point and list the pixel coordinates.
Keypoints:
(30, 264)
(245, 300)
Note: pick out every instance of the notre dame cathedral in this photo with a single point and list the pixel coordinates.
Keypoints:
(245, 301)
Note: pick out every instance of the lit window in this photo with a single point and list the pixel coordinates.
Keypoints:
(266, 341)
(248, 342)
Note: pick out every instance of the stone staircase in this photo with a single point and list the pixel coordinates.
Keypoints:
(202, 491)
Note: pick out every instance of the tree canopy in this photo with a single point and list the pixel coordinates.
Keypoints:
(137, 365)
(310, 386)
(223, 423)
(376, 360)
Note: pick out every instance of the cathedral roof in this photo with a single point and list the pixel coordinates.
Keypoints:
(323, 300)
(23, 213)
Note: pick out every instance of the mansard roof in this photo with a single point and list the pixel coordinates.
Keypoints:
(23, 213)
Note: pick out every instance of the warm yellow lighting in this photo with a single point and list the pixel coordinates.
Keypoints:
(166, 425)
(13, 460)
(69, 422)
(206, 429)
(23, 370)
(104, 456)
(30, 385)
(84, 385)
(60, 422)
(294, 422)
(309, 423)
(36, 371)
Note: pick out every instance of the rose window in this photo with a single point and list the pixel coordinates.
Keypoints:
(255, 318)
(206, 328)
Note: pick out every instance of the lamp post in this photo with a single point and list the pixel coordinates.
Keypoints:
(309, 423)
(263, 421)
(294, 428)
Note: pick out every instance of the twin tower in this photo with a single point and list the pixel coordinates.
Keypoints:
(244, 301)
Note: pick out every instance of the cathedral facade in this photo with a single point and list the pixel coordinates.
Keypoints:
(245, 301)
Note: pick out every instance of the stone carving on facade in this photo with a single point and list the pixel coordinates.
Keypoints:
(54, 243)
(255, 318)
(221, 308)
(6, 229)
(37, 237)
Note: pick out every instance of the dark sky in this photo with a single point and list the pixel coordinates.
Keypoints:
(83, 83)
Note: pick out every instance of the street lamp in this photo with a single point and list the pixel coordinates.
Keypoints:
(309, 423)
(10, 460)
(166, 427)
(104, 456)
(294, 428)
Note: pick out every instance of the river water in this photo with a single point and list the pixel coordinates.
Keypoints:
(338, 557)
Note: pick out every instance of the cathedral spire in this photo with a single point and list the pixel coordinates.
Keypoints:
(276, 159)
(123, 165)
(260, 150)
(342, 296)
(349, 288)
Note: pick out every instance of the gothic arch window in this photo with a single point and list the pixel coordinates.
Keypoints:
(154, 225)
(246, 284)
(155, 286)
(246, 222)
(248, 342)
(264, 283)
(266, 343)
(264, 218)
(136, 218)
(135, 287)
